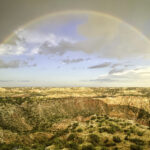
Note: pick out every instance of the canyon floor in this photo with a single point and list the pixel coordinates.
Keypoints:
(74, 118)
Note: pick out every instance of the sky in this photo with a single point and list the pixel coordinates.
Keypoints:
(92, 43)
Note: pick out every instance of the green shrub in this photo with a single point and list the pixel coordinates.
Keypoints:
(135, 147)
(99, 124)
(93, 117)
(72, 137)
(94, 139)
(59, 143)
(140, 133)
(137, 141)
(72, 145)
(108, 130)
(132, 130)
(104, 148)
(116, 139)
(110, 143)
(115, 127)
(75, 125)
(80, 140)
(79, 130)
(61, 132)
(126, 137)
(88, 147)
(115, 148)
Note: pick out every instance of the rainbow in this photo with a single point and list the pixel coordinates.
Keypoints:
(54, 14)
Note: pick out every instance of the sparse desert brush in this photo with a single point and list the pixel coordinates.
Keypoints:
(135, 147)
(107, 129)
(80, 140)
(100, 124)
(74, 125)
(140, 133)
(79, 130)
(110, 144)
(137, 141)
(93, 118)
(94, 139)
(115, 148)
(72, 145)
(104, 148)
(71, 137)
(59, 143)
(116, 139)
(114, 127)
(91, 126)
(88, 147)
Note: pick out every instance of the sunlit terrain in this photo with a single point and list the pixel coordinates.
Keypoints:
(75, 118)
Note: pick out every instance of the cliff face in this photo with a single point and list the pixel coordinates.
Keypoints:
(35, 111)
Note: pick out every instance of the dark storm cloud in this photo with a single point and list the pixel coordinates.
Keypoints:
(103, 65)
(14, 13)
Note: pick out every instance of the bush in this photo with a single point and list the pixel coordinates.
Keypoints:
(72, 145)
(61, 132)
(115, 148)
(104, 148)
(110, 143)
(93, 117)
(88, 147)
(126, 137)
(135, 147)
(59, 143)
(79, 130)
(100, 124)
(108, 130)
(139, 133)
(94, 139)
(137, 141)
(115, 127)
(72, 137)
(80, 140)
(116, 139)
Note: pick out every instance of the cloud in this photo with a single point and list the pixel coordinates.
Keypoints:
(60, 48)
(131, 77)
(69, 61)
(24, 81)
(107, 37)
(116, 65)
(103, 65)
(14, 64)
(116, 70)
(113, 38)
(9, 49)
